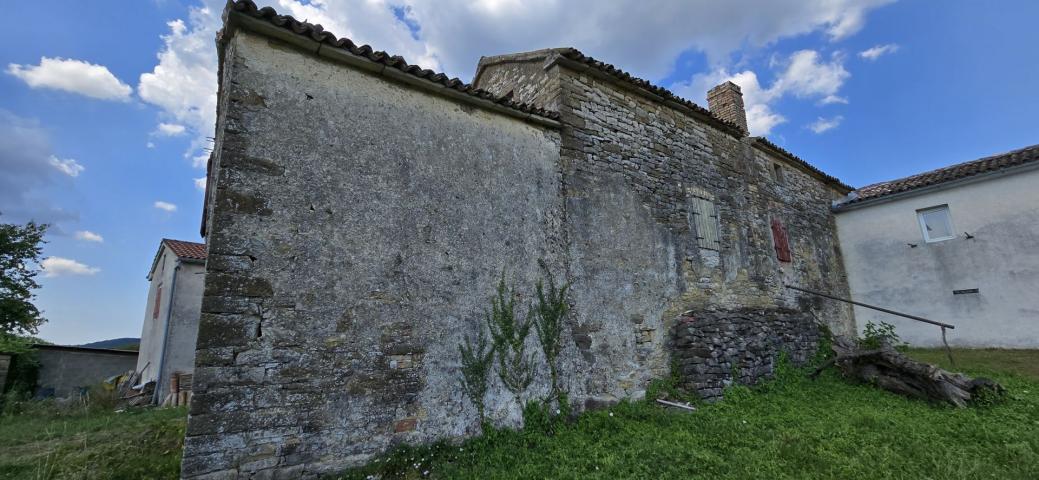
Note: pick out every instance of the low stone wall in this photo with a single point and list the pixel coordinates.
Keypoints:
(714, 349)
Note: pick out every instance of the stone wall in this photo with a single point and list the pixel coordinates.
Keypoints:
(357, 226)
(357, 230)
(70, 371)
(713, 350)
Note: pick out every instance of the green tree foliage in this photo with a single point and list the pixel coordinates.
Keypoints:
(20, 248)
(477, 357)
(509, 336)
(550, 313)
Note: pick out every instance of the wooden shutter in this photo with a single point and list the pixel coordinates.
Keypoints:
(780, 240)
(158, 301)
(705, 222)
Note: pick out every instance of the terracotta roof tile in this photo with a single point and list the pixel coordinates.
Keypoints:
(189, 250)
(318, 34)
(947, 174)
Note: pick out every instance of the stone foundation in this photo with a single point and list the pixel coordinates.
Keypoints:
(715, 349)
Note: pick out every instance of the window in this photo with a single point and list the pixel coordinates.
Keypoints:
(158, 301)
(935, 223)
(777, 173)
(780, 241)
(705, 218)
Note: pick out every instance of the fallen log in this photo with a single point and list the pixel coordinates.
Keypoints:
(889, 369)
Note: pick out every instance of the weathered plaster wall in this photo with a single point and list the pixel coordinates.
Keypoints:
(68, 372)
(359, 229)
(186, 304)
(1001, 261)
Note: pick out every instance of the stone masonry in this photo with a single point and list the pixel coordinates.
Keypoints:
(359, 212)
(713, 350)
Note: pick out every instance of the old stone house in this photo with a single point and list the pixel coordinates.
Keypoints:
(359, 212)
(958, 245)
(171, 314)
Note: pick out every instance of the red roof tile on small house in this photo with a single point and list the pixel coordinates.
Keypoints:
(187, 250)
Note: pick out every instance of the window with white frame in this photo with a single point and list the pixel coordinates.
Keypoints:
(935, 223)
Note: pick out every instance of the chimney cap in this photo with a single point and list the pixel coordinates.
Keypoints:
(726, 102)
(729, 86)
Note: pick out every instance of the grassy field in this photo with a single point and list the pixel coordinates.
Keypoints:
(790, 428)
(47, 442)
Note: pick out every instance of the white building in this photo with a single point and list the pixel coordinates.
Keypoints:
(958, 245)
(171, 316)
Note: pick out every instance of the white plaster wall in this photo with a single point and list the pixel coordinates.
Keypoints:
(153, 328)
(183, 330)
(1002, 261)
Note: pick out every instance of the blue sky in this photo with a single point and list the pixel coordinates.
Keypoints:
(105, 111)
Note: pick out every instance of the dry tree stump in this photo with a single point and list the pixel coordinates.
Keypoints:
(889, 369)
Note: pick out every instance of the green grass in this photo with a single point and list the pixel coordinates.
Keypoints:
(983, 361)
(48, 442)
(792, 428)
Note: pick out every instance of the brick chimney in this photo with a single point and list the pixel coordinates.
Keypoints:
(726, 102)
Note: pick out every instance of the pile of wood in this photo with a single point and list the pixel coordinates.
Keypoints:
(889, 369)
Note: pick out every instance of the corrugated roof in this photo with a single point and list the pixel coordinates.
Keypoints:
(318, 34)
(959, 171)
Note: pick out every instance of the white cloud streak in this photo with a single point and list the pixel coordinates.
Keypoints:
(878, 51)
(58, 266)
(76, 76)
(200, 184)
(170, 129)
(167, 206)
(821, 124)
(88, 236)
(68, 166)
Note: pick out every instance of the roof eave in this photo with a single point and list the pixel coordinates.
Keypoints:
(893, 197)
(235, 20)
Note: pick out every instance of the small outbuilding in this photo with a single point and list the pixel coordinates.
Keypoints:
(958, 245)
(67, 371)
(171, 317)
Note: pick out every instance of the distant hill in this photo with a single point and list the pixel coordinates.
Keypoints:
(127, 343)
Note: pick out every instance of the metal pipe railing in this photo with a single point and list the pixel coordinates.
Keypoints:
(943, 326)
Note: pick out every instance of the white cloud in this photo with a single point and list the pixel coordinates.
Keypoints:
(821, 124)
(58, 266)
(68, 166)
(88, 236)
(183, 84)
(74, 76)
(644, 40)
(804, 75)
(171, 129)
(200, 184)
(167, 206)
(150, 145)
(878, 51)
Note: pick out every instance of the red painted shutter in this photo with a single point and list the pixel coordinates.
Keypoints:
(158, 300)
(780, 239)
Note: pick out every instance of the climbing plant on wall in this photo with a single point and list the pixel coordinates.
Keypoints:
(550, 313)
(477, 356)
(509, 336)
